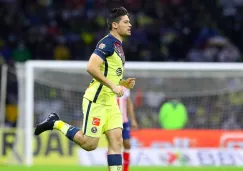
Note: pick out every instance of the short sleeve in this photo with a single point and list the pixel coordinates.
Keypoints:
(104, 48)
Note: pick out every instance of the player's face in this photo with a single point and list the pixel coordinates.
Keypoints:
(124, 26)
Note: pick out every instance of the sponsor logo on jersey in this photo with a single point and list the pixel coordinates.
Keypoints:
(96, 121)
(119, 72)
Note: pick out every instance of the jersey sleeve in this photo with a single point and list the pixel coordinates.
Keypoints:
(104, 48)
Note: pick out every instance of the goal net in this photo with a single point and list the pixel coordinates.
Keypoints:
(212, 94)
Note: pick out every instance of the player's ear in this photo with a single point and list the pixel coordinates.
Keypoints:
(115, 25)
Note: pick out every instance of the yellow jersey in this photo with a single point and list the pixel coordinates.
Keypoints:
(110, 50)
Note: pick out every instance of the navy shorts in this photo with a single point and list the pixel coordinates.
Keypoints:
(126, 130)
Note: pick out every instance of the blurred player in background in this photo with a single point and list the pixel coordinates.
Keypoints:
(100, 108)
(127, 110)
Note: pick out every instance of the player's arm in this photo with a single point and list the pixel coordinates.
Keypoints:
(131, 115)
(93, 68)
(128, 83)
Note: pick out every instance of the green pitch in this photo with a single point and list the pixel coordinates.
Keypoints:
(77, 168)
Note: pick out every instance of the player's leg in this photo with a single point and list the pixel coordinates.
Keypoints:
(113, 132)
(127, 145)
(114, 157)
(83, 138)
(76, 135)
(93, 122)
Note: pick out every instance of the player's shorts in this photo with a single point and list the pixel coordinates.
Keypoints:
(126, 131)
(100, 118)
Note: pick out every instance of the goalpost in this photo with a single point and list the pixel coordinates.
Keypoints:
(196, 84)
(4, 75)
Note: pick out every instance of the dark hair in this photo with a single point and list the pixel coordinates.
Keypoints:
(115, 16)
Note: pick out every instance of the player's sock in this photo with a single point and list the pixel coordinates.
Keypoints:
(66, 129)
(114, 162)
(126, 160)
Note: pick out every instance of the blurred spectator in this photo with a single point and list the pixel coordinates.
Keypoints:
(162, 30)
(11, 115)
(21, 53)
(231, 123)
(173, 115)
(5, 52)
(195, 55)
(229, 53)
(61, 51)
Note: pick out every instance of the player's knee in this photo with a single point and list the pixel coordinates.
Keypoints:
(90, 147)
(127, 144)
(119, 140)
(79, 139)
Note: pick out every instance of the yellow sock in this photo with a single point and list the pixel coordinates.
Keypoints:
(115, 168)
(61, 126)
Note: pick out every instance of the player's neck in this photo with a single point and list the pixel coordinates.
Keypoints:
(116, 35)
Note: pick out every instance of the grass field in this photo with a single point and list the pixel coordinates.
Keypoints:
(77, 168)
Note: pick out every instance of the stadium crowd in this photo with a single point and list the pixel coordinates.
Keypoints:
(163, 30)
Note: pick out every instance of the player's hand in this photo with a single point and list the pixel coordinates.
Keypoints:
(129, 83)
(118, 90)
(134, 124)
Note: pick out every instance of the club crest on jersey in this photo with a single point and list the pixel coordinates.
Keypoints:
(93, 129)
(119, 51)
(102, 46)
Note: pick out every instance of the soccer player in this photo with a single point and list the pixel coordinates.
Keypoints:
(100, 108)
(127, 109)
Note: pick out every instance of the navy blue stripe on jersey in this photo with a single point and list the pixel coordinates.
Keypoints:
(101, 85)
(106, 68)
(100, 53)
(87, 117)
(98, 92)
